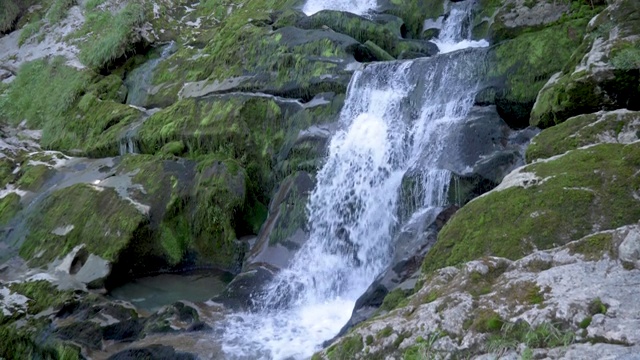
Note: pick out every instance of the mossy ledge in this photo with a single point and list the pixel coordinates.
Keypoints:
(566, 202)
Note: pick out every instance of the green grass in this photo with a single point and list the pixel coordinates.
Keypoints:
(110, 37)
(8, 13)
(28, 31)
(42, 295)
(545, 335)
(43, 90)
(58, 10)
(92, 4)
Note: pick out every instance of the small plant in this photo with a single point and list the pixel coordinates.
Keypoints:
(545, 335)
(585, 322)
(596, 306)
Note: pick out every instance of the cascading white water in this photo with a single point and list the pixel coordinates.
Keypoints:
(358, 7)
(397, 120)
(455, 32)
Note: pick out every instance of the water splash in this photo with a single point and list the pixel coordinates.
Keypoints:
(359, 7)
(456, 31)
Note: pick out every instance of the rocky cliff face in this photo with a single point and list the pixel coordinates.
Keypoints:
(155, 135)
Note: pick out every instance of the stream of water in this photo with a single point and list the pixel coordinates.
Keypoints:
(397, 118)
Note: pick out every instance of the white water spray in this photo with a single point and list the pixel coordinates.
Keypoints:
(359, 7)
(397, 121)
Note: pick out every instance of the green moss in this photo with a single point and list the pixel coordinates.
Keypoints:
(101, 220)
(526, 62)
(9, 206)
(369, 340)
(26, 344)
(42, 295)
(487, 321)
(414, 12)
(513, 222)
(594, 247)
(346, 349)
(393, 299)
(596, 306)
(585, 322)
(32, 177)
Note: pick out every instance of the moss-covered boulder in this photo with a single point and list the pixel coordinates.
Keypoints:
(77, 110)
(604, 73)
(620, 126)
(81, 214)
(414, 13)
(545, 204)
(499, 20)
(520, 68)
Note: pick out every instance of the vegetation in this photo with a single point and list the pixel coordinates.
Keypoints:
(100, 219)
(345, 349)
(43, 90)
(109, 36)
(28, 31)
(58, 10)
(545, 335)
(560, 209)
(42, 295)
(9, 11)
(394, 299)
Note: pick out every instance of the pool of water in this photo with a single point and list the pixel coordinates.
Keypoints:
(153, 292)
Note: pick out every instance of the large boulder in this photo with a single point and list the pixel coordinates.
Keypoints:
(619, 126)
(545, 204)
(605, 73)
(521, 66)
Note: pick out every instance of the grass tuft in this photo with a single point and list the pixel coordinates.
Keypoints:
(110, 37)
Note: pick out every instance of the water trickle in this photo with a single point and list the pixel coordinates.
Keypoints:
(139, 80)
(398, 122)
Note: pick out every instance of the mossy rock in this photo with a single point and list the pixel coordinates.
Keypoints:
(521, 67)
(384, 35)
(621, 126)
(80, 214)
(32, 177)
(414, 12)
(584, 191)
(603, 74)
(499, 20)
(288, 62)
(9, 207)
(74, 108)
(585, 92)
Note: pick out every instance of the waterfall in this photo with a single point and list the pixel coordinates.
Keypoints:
(398, 122)
(456, 30)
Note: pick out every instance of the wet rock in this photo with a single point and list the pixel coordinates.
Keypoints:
(244, 287)
(284, 231)
(602, 77)
(159, 352)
